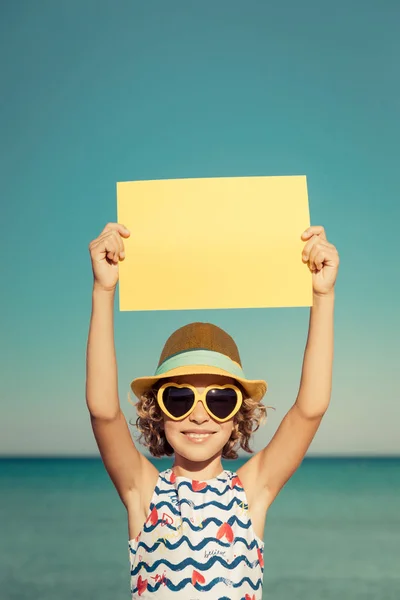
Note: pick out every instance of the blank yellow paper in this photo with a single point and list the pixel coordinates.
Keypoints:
(232, 242)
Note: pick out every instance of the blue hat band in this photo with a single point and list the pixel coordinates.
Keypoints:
(200, 357)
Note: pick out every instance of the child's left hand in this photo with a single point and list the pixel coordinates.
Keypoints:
(322, 258)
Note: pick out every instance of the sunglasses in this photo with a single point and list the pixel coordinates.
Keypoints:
(221, 402)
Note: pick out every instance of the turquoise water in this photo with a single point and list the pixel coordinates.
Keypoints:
(332, 533)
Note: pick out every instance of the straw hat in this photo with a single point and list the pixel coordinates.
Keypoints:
(200, 348)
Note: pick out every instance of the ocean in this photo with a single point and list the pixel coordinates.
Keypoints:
(332, 533)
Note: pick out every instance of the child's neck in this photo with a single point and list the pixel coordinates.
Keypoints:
(198, 470)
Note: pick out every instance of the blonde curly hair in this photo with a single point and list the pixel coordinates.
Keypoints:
(150, 423)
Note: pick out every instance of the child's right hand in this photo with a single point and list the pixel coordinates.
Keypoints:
(105, 252)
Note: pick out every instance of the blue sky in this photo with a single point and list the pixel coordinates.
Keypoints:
(97, 92)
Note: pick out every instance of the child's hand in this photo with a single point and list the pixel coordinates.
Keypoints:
(105, 252)
(322, 258)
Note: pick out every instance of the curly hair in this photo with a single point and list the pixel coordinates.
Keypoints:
(150, 423)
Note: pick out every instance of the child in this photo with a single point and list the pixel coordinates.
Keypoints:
(195, 530)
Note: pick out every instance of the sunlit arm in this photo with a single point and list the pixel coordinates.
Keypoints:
(316, 378)
(273, 466)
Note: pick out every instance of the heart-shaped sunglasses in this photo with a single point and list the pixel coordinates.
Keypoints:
(221, 402)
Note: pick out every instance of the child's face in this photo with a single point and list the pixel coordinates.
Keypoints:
(199, 420)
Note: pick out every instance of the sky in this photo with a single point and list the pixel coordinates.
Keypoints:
(97, 92)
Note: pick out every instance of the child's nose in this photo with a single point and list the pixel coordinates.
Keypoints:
(199, 412)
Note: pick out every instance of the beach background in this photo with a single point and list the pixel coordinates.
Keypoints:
(332, 532)
(95, 92)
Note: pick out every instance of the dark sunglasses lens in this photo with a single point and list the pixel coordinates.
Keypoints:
(178, 401)
(221, 402)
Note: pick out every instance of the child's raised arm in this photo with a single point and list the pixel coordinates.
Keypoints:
(123, 462)
(276, 463)
(101, 364)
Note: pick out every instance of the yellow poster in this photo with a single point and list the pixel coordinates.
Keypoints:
(229, 242)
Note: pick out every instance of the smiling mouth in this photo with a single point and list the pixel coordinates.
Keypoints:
(198, 437)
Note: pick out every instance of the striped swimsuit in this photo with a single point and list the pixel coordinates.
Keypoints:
(197, 542)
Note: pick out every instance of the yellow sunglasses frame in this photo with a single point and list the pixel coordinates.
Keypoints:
(199, 396)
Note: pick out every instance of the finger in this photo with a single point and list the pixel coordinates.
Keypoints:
(113, 234)
(320, 255)
(117, 227)
(308, 247)
(314, 230)
(105, 242)
(315, 251)
(318, 258)
(311, 244)
(105, 246)
(110, 233)
(111, 248)
(120, 243)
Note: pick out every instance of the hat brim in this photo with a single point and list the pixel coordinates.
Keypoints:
(255, 388)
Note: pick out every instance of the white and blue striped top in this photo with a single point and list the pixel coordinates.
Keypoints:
(197, 542)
